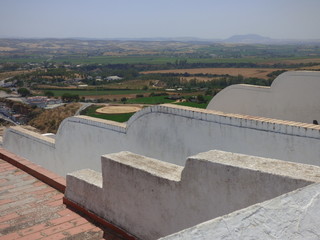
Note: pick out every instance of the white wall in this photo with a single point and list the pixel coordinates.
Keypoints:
(151, 198)
(33, 146)
(291, 216)
(292, 96)
(167, 132)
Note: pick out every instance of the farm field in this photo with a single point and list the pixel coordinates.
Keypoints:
(126, 60)
(59, 93)
(246, 72)
(22, 59)
(316, 68)
(294, 61)
(154, 59)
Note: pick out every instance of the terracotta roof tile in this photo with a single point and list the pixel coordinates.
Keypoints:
(31, 209)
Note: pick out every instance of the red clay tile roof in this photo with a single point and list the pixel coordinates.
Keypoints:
(31, 209)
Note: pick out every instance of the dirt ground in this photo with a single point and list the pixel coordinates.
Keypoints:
(5, 75)
(293, 61)
(7, 49)
(312, 68)
(246, 72)
(116, 109)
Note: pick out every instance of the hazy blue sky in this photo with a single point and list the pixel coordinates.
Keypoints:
(298, 19)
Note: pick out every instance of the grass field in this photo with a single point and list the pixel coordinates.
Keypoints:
(150, 100)
(162, 100)
(196, 105)
(32, 59)
(192, 104)
(91, 111)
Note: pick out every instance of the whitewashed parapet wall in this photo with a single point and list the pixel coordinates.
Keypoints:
(33, 146)
(151, 198)
(294, 215)
(167, 132)
(292, 96)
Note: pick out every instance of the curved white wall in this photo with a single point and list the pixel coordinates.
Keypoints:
(170, 133)
(293, 96)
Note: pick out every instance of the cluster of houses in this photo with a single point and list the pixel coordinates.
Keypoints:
(109, 78)
(10, 115)
(42, 102)
(79, 81)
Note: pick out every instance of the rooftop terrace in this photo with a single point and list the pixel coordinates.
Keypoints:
(31, 209)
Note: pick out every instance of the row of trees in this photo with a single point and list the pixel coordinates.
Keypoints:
(66, 97)
(126, 71)
(173, 80)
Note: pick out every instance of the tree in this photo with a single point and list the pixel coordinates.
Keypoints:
(49, 94)
(209, 92)
(24, 92)
(123, 100)
(200, 99)
(67, 97)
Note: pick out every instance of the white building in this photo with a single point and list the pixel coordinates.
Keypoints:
(113, 78)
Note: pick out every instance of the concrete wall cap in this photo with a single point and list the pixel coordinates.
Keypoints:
(89, 176)
(152, 166)
(292, 170)
(35, 136)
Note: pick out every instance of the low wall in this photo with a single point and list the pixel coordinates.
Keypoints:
(35, 147)
(167, 132)
(292, 96)
(151, 198)
(291, 216)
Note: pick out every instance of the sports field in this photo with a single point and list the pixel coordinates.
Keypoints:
(119, 109)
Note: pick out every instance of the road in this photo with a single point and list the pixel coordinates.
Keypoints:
(2, 116)
(83, 106)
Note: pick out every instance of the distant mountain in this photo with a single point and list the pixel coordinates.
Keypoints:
(250, 39)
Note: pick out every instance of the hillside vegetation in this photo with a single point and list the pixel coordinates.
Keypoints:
(49, 120)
